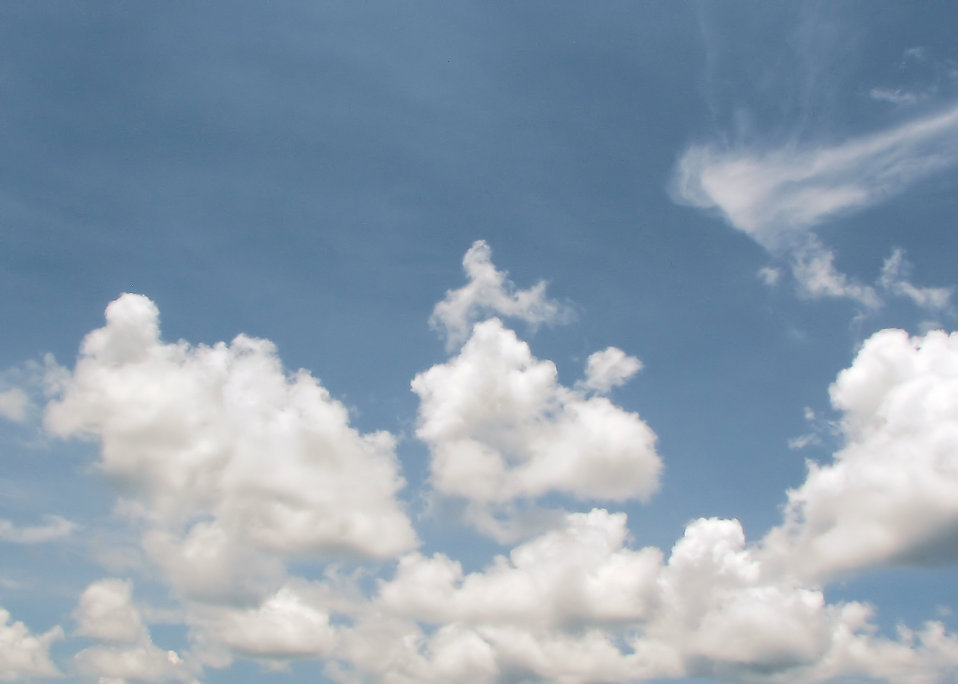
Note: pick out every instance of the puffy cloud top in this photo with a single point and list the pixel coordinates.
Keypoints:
(226, 455)
(489, 292)
(500, 426)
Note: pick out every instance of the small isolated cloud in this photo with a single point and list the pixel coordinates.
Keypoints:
(776, 195)
(54, 528)
(489, 292)
(13, 404)
(609, 368)
(894, 278)
(24, 655)
(895, 96)
(500, 427)
(769, 275)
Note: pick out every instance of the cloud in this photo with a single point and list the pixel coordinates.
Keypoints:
(230, 462)
(770, 276)
(54, 528)
(489, 292)
(813, 267)
(499, 427)
(13, 404)
(106, 612)
(577, 604)
(776, 195)
(286, 625)
(235, 472)
(895, 96)
(609, 368)
(575, 574)
(890, 495)
(24, 655)
(894, 278)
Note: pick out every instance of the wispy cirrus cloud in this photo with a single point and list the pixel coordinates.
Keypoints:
(53, 528)
(777, 195)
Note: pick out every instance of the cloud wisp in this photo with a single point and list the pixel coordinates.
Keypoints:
(776, 196)
(53, 528)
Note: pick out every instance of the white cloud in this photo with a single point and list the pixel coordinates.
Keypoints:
(500, 427)
(895, 96)
(13, 404)
(609, 368)
(774, 195)
(894, 278)
(231, 463)
(489, 292)
(577, 573)
(891, 493)
(234, 469)
(770, 276)
(577, 605)
(815, 273)
(24, 655)
(131, 663)
(53, 528)
(106, 612)
(284, 626)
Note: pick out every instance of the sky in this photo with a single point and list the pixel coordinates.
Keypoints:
(478, 342)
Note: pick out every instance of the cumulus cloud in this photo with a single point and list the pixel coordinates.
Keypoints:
(13, 404)
(54, 528)
(489, 292)
(890, 495)
(290, 624)
(773, 195)
(106, 613)
(23, 654)
(131, 663)
(609, 368)
(577, 573)
(231, 462)
(577, 604)
(500, 427)
(234, 471)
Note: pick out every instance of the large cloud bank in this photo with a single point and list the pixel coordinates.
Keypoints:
(279, 529)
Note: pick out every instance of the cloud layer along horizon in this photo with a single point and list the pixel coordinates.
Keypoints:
(282, 533)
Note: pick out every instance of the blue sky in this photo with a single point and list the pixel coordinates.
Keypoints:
(477, 342)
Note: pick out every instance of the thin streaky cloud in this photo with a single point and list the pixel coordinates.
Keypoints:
(777, 195)
(53, 528)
